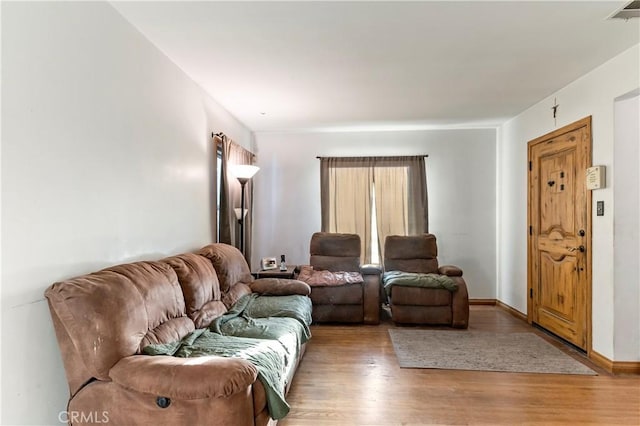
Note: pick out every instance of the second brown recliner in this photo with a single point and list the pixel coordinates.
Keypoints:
(417, 305)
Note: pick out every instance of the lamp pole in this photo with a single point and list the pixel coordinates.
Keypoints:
(243, 182)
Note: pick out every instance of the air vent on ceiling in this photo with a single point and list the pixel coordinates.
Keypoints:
(631, 10)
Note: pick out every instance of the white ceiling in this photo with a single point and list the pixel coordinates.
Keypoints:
(315, 65)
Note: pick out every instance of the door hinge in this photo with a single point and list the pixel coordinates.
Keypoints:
(530, 293)
(530, 230)
(530, 165)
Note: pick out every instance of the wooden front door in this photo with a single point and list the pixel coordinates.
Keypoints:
(559, 213)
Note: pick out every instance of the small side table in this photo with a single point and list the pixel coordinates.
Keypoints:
(276, 273)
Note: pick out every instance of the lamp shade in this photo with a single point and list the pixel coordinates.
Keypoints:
(238, 211)
(244, 172)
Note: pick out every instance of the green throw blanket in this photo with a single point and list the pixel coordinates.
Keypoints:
(254, 306)
(265, 330)
(412, 279)
(282, 318)
(267, 355)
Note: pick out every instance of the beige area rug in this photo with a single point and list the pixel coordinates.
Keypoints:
(476, 350)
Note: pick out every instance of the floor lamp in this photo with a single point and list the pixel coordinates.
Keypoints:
(243, 172)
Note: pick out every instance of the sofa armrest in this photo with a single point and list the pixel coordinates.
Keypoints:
(460, 304)
(371, 287)
(280, 287)
(450, 270)
(184, 378)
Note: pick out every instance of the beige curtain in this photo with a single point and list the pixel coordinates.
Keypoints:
(347, 197)
(350, 186)
(400, 197)
(230, 192)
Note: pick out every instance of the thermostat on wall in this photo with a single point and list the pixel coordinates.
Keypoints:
(595, 177)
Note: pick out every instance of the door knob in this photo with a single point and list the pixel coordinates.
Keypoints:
(580, 249)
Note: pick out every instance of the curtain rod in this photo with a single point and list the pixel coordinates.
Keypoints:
(383, 156)
(221, 135)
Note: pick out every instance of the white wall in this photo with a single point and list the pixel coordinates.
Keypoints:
(106, 158)
(626, 228)
(0, 226)
(461, 184)
(593, 94)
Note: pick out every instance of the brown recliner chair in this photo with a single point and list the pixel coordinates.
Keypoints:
(416, 305)
(349, 302)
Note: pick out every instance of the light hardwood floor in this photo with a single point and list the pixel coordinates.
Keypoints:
(350, 376)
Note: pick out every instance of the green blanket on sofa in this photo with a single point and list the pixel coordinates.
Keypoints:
(266, 317)
(267, 355)
(257, 317)
(265, 330)
(412, 279)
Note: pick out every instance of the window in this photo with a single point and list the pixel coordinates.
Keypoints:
(374, 197)
(375, 245)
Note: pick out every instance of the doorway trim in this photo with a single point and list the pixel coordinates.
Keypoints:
(585, 122)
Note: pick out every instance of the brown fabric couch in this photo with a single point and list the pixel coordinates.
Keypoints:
(354, 303)
(104, 319)
(415, 305)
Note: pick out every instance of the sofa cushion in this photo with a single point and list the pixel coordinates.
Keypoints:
(415, 253)
(200, 287)
(235, 293)
(229, 264)
(109, 314)
(335, 252)
(168, 331)
(209, 312)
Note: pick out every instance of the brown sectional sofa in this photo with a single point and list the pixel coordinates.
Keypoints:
(103, 321)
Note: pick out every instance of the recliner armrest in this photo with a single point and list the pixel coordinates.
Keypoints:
(371, 269)
(460, 304)
(184, 378)
(371, 303)
(280, 287)
(450, 271)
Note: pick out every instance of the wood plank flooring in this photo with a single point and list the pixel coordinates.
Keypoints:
(350, 376)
